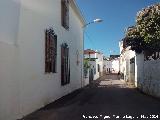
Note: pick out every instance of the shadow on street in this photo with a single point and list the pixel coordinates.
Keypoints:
(106, 98)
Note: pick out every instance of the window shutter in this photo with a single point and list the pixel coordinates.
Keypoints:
(68, 66)
(66, 56)
(51, 45)
(62, 12)
(55, 53)
(47, 52)
(46, 69)
(62, 65)
(65, 64)
(65, 13)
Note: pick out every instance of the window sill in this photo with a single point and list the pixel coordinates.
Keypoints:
(50, 73)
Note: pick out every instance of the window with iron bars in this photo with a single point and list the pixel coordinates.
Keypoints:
(50, 51)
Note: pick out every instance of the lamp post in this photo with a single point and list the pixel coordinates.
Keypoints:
(82, 70)
(94, 21)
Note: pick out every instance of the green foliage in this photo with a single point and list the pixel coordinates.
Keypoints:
(91, 59)
(133, 39)
(148, 23)
(86, 64)
(132, 32)
(145, 35)
(86, 67)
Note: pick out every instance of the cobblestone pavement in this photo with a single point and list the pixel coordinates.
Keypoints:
(107, 98)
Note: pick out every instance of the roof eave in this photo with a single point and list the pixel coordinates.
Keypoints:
(78, 11)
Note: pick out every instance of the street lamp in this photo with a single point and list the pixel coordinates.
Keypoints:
(94, 21)
(97, 20)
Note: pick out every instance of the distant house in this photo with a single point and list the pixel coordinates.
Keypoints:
(41, 46)
(111, 64)
(95, 59)
(114, 56)
(107, 65)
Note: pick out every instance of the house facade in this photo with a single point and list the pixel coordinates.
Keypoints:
(95, 59)
(41, 55)
(111, 64)
(141, 70)
(107, 65)
(127, 63)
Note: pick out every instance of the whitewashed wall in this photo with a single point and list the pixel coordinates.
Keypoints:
(101, 67)
(112, 64)
(122, 63)
(151, 83)
(125, 63)
(115, 65)
(9, 20)
(24, 87)
(94, 66)
(101, 63)
(121, 46)
(86, 79)
(148, 77)
(9, 84)
(108, 64)
(132, 73)
(90, 56)
(139, 70)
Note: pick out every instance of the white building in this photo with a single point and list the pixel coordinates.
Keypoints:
(37, 45)
(107, 65)
(115, 65)
(111, 64)
(96, 62)
(127, 63)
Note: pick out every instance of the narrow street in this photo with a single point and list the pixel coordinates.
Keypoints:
(106, 98)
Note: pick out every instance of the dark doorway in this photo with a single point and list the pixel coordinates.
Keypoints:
(91, 75)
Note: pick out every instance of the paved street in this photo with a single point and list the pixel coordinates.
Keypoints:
(106, 98)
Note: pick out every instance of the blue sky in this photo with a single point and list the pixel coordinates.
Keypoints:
(117, 15)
